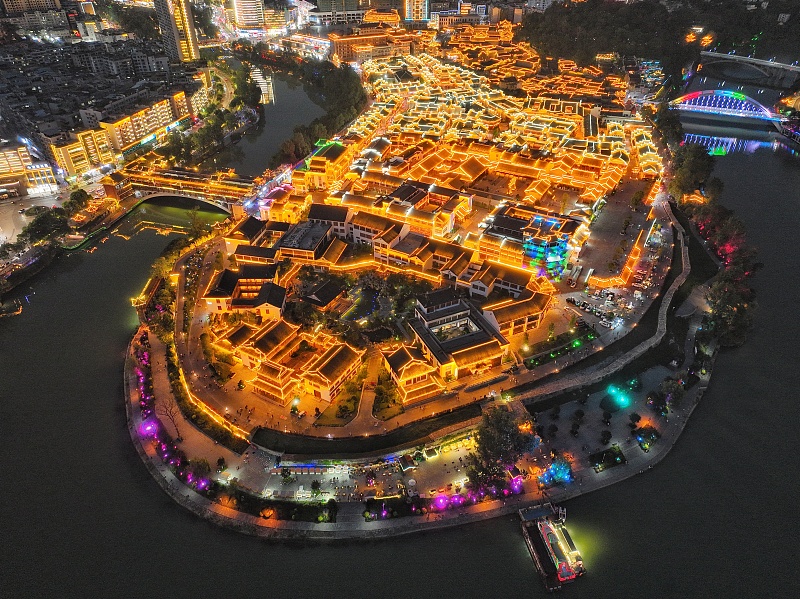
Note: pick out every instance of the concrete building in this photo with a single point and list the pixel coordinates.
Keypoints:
(13, 7)
(248, 14)
(177, 29)
(417, 10)
(82, 152)
(19, 174)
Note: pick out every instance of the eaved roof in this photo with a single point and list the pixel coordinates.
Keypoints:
(478, 353)
(510, 311)
(334, 362)
(223, 285)
(273, 335)
(404, 357)
(323, 294)
(250, 228)
(239, 335)
(438, 297)
(326, 213)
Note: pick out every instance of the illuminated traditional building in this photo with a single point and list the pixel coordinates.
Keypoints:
(383, 15)
(416, 378)
(252, 288)
(326, 166)
(454, 336)
(176, 22)
(368, 43)
(328, 373)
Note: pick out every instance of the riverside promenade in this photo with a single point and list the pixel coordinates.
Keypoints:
(351, 523)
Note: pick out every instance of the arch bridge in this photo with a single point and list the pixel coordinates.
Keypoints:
(774, 73)
(725, 103)
(221, 203)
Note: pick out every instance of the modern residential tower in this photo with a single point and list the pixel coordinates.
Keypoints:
(417, 10)
(177, 29)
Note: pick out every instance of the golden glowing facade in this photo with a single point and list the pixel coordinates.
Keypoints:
(89, 150)
(146, 124)
(176, 22)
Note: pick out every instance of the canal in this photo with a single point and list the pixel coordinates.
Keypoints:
(250, 156)
(83, 518)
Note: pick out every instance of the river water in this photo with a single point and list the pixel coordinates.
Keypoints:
(250, 156)
(82, 517)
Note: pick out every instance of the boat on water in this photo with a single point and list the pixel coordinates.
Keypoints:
(551, 547)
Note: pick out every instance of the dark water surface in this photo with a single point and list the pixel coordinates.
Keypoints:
(251, 155)
(81, 516)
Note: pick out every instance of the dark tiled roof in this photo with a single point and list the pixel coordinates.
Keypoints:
(250, 227)
(224, 284)
(253, 251)
(324, 294)
(438, 298)
(335, 361)
(323, 212)
(263, 272)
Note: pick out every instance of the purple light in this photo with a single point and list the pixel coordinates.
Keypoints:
(148, 429)
(440, 502)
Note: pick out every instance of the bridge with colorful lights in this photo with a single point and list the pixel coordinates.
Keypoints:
(720, 102)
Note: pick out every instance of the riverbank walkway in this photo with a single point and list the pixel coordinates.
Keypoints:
(350, 522)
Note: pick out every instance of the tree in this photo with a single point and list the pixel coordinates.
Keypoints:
(200, 467)
(219, 261)
(161, 268)
(551, 330)
(605, 437)
(221, 464)
(500, 443)
(168, 408)
(316, 486)
(78, 200)
(638, 199)
(197, 228)
(635, 418)
(578, 415)
(673, 391)
(286, 475)
(552, 430)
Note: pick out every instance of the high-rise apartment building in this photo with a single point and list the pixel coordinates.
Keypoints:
(416, 10)
(18, 6)
(177, 29)
(248, 14)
